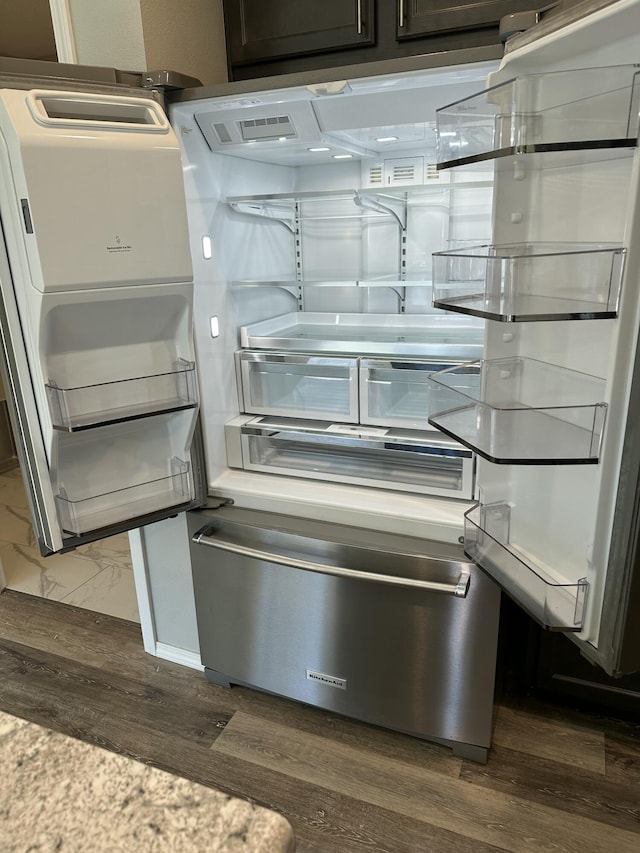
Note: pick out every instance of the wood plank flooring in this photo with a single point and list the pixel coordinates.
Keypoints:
(557, 781)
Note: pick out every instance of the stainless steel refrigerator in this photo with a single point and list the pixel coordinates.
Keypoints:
(405, 368)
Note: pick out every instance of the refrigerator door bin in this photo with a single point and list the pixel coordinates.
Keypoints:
(590, 108)
(88, 406)
(521, 411)
(396, 393)
(95, 511)
(556, 604)
(344, 613)
(302, 386)
(530, 282)
(400, 460)
(417, 335)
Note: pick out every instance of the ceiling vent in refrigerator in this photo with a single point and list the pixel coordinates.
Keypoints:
(274, 133)
(272, 127)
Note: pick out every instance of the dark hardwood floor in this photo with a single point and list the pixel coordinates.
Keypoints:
(557, 780)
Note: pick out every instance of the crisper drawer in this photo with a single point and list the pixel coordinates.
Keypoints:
(397, 393)
(400, 460)
(304, 386)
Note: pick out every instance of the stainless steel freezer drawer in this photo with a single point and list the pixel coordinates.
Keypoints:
(390, 630)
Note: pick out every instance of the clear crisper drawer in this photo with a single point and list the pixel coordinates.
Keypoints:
(530, 281)
(519, 410)
(556, 604)
(396, 393)
(392, 459)
(303, 386)
(81, 515)
(564, 110)
(88, 406)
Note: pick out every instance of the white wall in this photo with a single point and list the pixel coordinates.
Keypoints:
(140, 35)
(108, 33)
(186, 37)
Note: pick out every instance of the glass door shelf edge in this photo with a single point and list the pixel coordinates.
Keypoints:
(87, 406)
(530, 282)
(594, 145)
(520, 411)
(558, 606)
(94, 512)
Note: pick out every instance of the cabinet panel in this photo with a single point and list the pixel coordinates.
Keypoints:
(266, 29)
(424, 17)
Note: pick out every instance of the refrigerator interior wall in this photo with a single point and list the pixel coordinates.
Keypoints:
(549, 198)
(334, 256)
(101, 268)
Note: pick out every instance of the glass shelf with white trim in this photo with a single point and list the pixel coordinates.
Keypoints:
(530, 282)
(521, 411)
(592, 109)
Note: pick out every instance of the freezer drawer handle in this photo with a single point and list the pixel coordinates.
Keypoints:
(459, 588)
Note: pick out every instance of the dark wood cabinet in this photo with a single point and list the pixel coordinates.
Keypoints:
(259, 30)
(425, 17)
(266, 37)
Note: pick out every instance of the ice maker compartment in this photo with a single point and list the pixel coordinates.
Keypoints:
(522, 411)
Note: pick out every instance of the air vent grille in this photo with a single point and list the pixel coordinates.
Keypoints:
(376, 175)
(403, 174)
(432, 173)
(270, 127)
(221, 132)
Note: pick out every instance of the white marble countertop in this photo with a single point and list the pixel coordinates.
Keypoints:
(60, 794)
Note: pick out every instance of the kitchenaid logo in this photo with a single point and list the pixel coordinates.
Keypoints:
(323, 678)
(118, 245)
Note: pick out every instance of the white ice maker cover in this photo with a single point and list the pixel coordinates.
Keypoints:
(104, 189)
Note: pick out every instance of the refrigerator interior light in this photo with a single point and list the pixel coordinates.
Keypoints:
(342, 156)
(214, 326)
(207, 250)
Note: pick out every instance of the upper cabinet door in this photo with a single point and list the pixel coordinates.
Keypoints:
(425, 17)
(259, 30)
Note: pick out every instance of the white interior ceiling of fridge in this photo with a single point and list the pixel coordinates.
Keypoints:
(94, 219)
(313, 214)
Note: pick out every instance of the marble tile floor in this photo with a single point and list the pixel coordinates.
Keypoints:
(96, 577)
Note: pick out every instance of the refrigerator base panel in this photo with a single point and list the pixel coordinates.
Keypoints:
(468, 751)
(418, 659)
